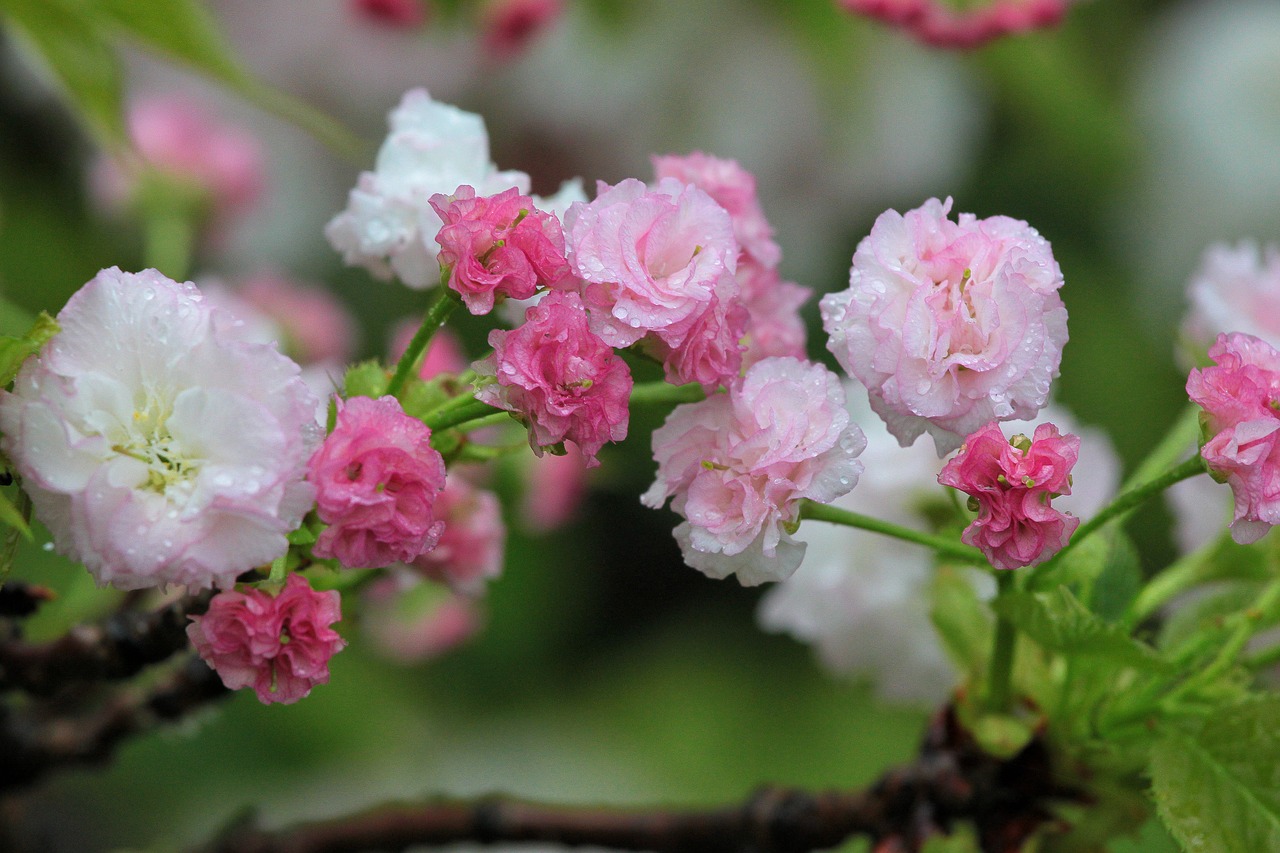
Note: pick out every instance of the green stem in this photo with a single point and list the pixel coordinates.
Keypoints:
(453, 416)
(1126, 503)
(649, 393)
(279, 568)
(446, 301)
(1264, 658)
(942, 546)
(1000, 673)
(1183, 434)
(1186, 572)
(1244, 630)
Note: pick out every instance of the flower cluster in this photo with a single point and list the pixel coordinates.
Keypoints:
(1012, 483)
(377, 478)
(1240, 396)
(158, 444)
(278, 645)
(738, 464)
(950, 325)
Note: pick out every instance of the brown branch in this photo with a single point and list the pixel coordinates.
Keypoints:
(118, 647)
(33, 743)
(952, 780)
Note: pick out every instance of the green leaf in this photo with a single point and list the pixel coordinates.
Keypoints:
(185, 32)
(1058, 622)
(79, 57)
(14, 351)
(962, 620)
(1205, 614)
(1215, 784)
(1120, 579)
(421, 398)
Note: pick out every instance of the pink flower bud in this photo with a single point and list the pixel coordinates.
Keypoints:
(397, 14)
(377, 478)
(510, 25)
(471, 549)
(278, 645)
(1013, 483)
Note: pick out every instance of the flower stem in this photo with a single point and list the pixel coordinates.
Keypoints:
(942, 546)
(1000, 673)
(450, 416)
(1127, 502)
(1180, 575)
(649, 393)
(169, 236)
(1183, 434)
(446, 301)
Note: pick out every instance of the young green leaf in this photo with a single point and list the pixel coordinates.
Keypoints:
(962, 620)
(14, 351)
(1058, 622)
(1215, 782)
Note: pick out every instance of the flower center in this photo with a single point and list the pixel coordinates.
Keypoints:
(150, 442)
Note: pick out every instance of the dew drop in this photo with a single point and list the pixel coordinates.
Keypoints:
(48, 546)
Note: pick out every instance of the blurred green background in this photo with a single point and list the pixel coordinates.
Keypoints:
(1131, 137)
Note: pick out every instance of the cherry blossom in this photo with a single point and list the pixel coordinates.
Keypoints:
(949, 325)
(377, 479)
(1012, 483)
(279, 645)
(158, 445)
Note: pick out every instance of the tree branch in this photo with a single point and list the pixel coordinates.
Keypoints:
(32, 743)
(1006, 800)
(118, 647)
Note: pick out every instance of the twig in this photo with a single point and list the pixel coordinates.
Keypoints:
(118, 647)
(34, 744)
(953, 780)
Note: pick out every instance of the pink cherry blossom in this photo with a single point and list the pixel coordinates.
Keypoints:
(278, 645)
(316, 327)
(411, 620)
(471, 548)
(565, 383)
(181, 140)
(554, 489)
(709, 349)
(774, 326)
(650, 260)
(734, 189)
(1235, 289)
(1013, 483)
(377, 479)
(157, 443)
(497, 246)
(398, 14)
(510, 25)
(940, 24)
(949, 325)
(738, 464)
(1240, 396)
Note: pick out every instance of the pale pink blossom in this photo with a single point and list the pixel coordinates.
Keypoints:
(554, 489)
(508, 26)
(470, 550)
(377, 479)
(398, 14)
(1235, 289)
(389, 227)
(650, 260)
(497, 246)
(774, 326)
(940, 24)
(1013, 483)
(183, 142)
(709, 349)
(411, 620)
(279, 645)
(565, 383)
(949, 325)
(157, 444)
(1239, 396)
(734, 189)
(315, 326)
(738, 464)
